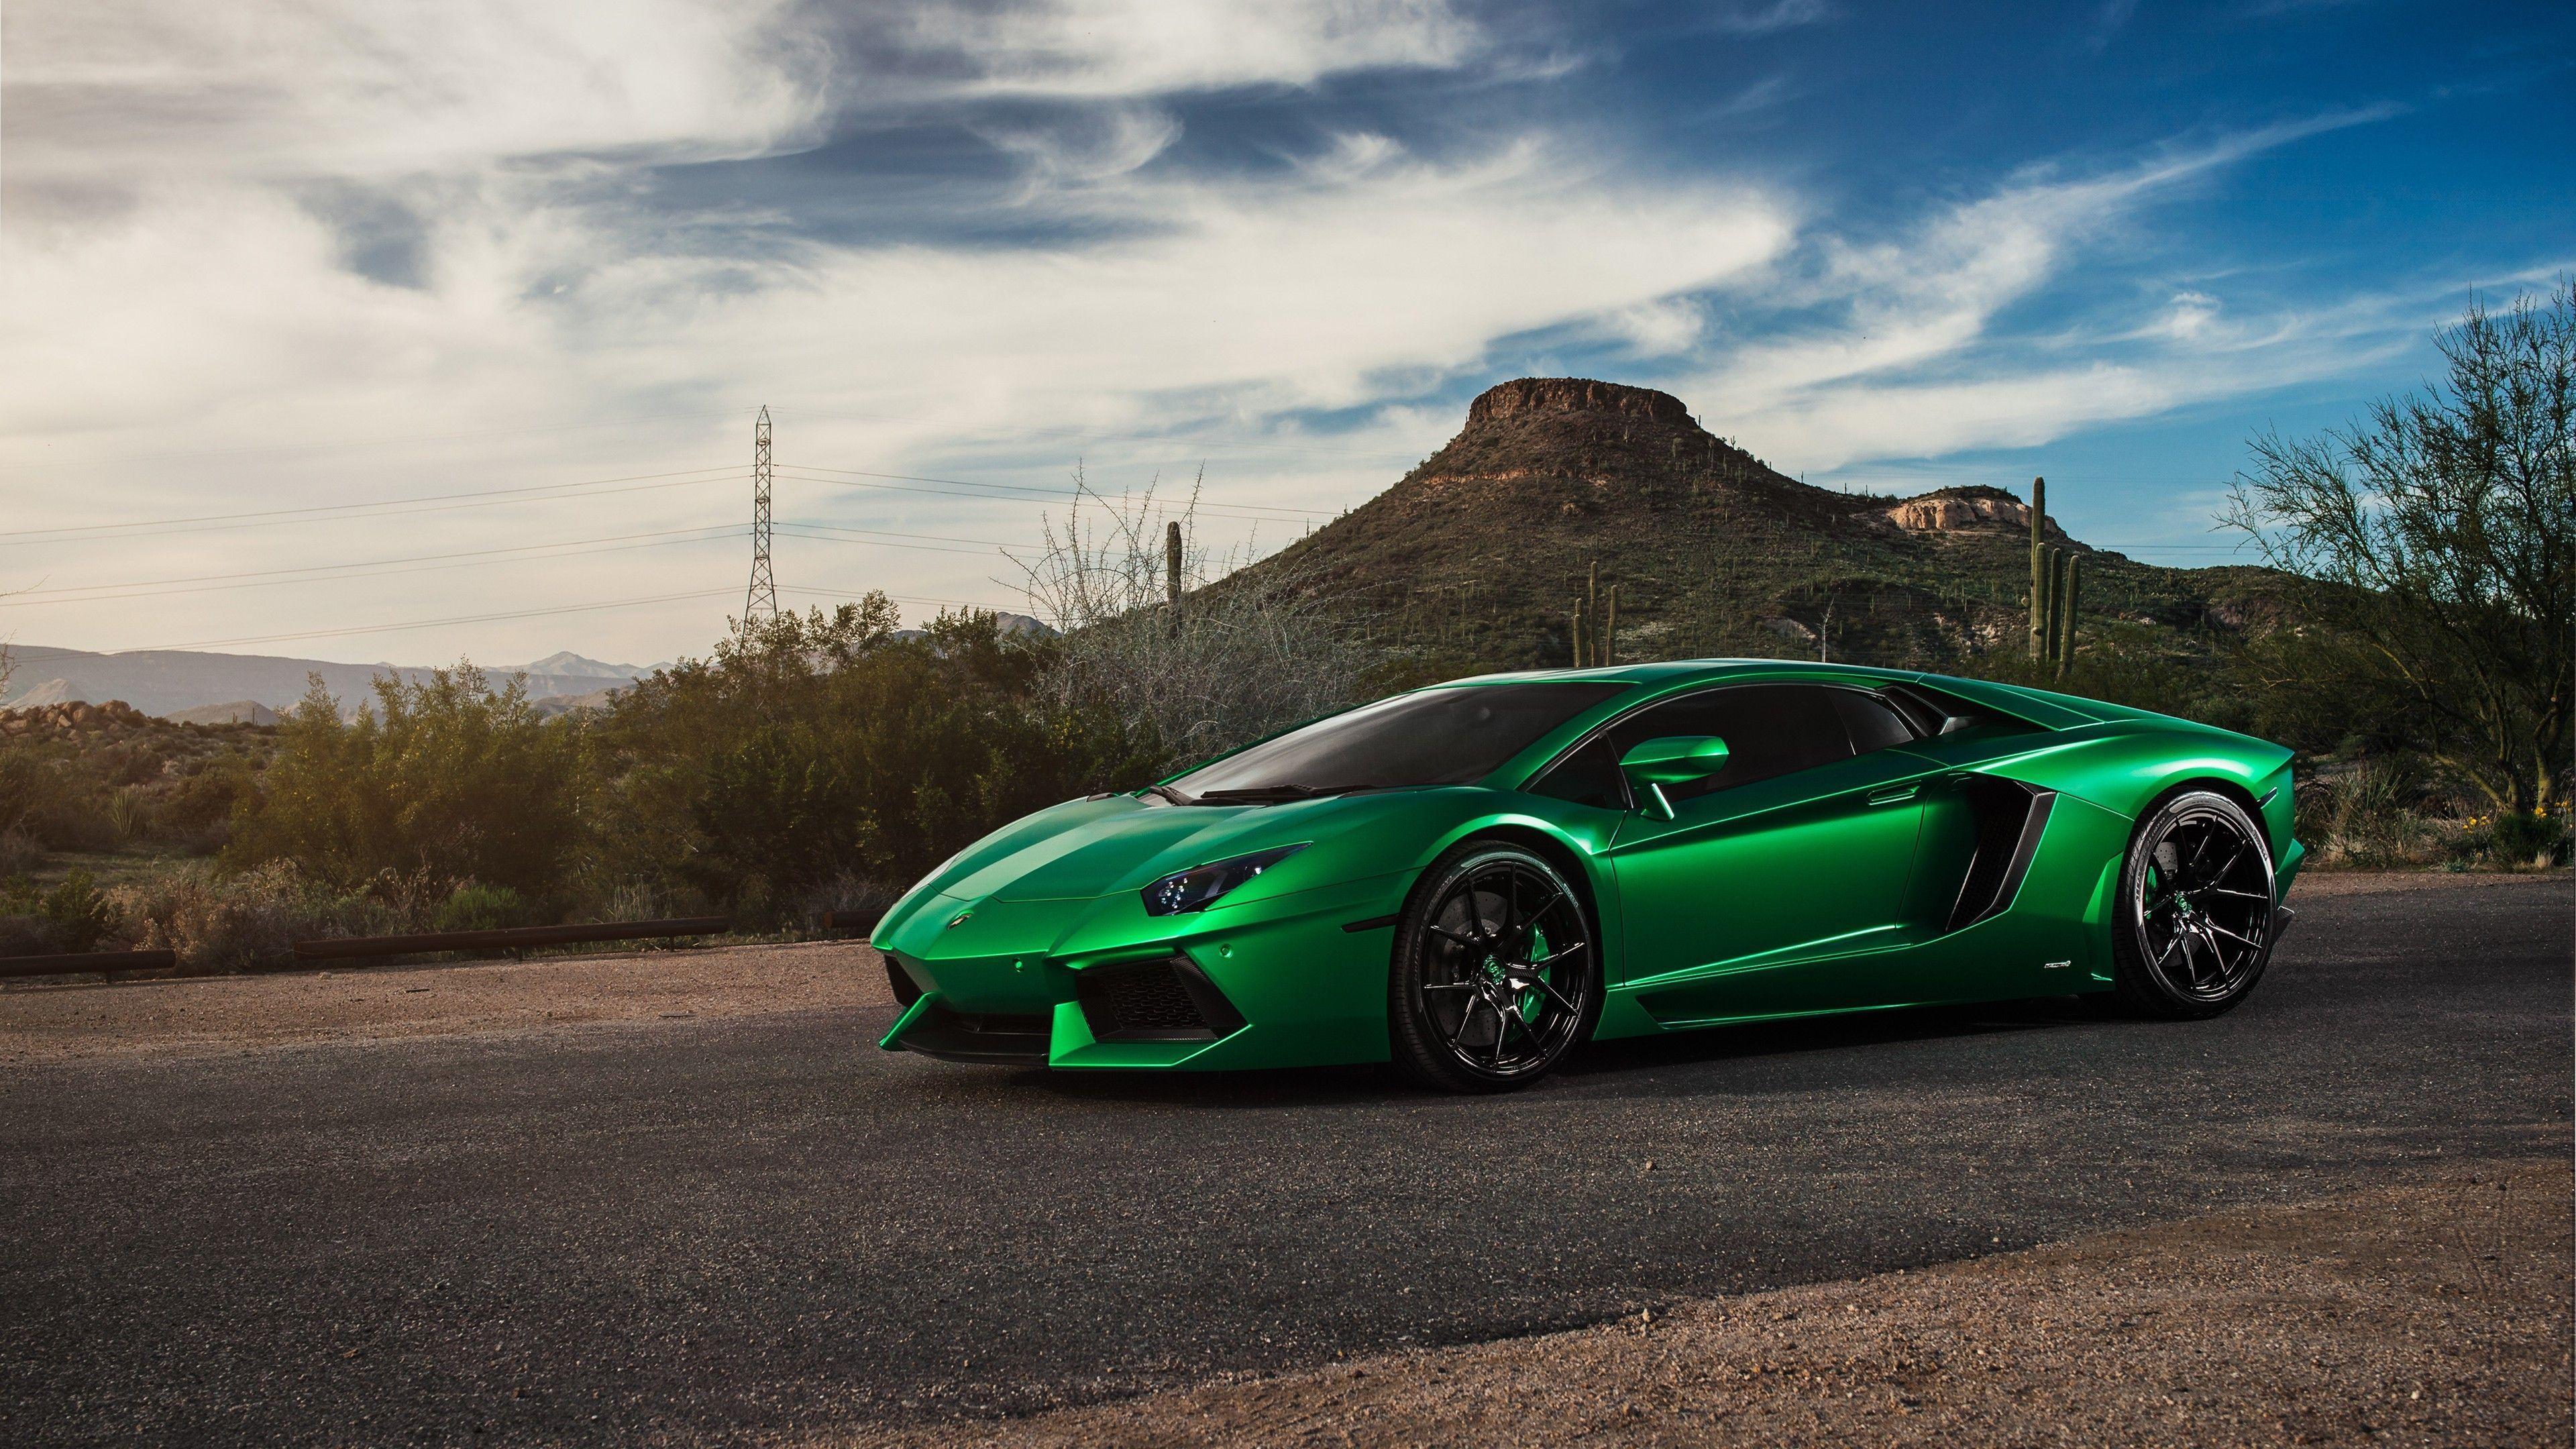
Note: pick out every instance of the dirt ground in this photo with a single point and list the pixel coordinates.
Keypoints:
(56, 1020)
(2423, 1315)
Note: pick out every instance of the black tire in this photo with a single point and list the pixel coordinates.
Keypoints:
(2198, 900)
(1497, 971)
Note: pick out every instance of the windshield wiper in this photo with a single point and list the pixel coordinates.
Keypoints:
(1168, 793)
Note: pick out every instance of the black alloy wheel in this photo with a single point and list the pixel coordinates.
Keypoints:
(2197, 906)
(1496, 972)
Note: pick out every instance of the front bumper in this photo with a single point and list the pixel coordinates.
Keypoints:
(1100, 984)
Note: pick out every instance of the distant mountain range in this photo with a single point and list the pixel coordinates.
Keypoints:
(183, 684)
(198, 688)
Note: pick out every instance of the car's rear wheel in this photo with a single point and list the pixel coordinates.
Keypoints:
(1496, 972)
(2197, 906)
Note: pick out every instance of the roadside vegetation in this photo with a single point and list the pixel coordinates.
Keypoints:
(2415, 650)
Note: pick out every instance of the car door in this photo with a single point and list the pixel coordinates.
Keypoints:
(1772, 873)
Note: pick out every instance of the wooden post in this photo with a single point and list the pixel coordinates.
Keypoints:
(1172, 566)
(2038, 568)
(1610, 631)
(2066, 615)
(1574, 626)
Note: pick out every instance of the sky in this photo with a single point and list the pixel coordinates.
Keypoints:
(423, 332)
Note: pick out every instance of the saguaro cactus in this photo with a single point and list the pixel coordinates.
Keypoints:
(2066, 616)
(2039, 596)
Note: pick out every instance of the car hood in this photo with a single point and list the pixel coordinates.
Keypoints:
(1092, 848)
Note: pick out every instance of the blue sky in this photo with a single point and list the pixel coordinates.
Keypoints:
(374, 335)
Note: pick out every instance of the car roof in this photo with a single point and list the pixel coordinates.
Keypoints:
(1686, 671)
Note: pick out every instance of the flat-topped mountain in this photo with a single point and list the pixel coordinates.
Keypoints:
(1498, 548)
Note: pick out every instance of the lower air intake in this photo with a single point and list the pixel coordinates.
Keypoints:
(1168, 1000)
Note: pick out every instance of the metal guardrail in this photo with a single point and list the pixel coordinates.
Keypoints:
(345, 947)
(91, 961)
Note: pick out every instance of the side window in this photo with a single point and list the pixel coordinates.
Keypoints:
(1769, 729)
(1873, 723)
(1589, 776)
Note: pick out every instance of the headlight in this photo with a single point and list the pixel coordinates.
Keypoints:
(1196, 890)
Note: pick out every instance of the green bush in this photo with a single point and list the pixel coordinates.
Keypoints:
(814, 750)
(446, 778)
(2523, 837)
(73, 916)
(475, 907)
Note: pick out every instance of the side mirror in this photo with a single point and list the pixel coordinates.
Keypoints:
(1671, 760)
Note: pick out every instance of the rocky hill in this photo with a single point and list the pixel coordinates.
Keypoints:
(1560, 490)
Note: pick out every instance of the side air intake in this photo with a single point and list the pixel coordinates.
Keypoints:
(1166, 1000)
(2010, 818)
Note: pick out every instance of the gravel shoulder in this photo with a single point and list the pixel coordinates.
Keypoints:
(55, 1021)
(2432, 1314)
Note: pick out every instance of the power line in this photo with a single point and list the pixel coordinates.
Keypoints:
(916, 547)
(135, 527)
(1216, 510)
(377, 441)
(1081, 433)
(337, 573)
(904, 599)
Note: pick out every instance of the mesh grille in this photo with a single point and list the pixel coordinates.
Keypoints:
(1150, 999)
(1153, 1001)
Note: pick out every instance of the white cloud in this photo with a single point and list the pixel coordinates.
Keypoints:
(1094, 48)
(1896, 353)
(129, 90)
(214, 307)
(1750, 17)
(2189, 316)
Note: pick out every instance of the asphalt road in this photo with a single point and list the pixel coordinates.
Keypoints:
(765, 1226)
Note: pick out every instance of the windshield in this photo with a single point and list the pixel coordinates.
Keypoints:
(1434, 737)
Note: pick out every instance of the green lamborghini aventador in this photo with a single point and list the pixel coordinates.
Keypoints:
(1469, 879)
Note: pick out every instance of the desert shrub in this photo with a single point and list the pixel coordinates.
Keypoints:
(196, 808)
(26, 935)
(817, 746)
(2520, 838)
(73, 916)
(129, 812)
(45, 796)
(1238, 657)
(476, 907)
(2431, 550)
(19, 853)
(2376, 817)
(856, 895)
(227, 921)
(447, 777)
(2128, 664)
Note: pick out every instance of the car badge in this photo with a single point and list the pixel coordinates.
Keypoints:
(959, 919)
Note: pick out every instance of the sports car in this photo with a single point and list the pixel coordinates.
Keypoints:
(1467, 880)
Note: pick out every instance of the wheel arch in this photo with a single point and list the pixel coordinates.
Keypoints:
(1581, 871)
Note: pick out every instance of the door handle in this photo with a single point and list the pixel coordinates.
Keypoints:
(1891, 794)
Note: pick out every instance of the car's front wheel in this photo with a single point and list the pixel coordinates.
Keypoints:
(1496, 973)
(2198, 904)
